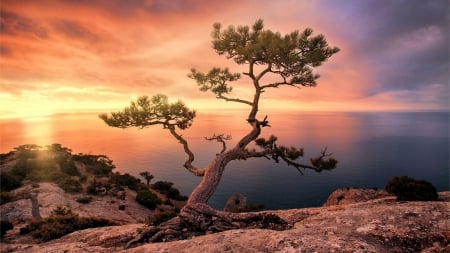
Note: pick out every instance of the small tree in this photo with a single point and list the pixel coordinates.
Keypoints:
(271, 61)
(147, 176)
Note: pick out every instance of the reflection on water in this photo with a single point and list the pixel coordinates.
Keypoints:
(371, 148)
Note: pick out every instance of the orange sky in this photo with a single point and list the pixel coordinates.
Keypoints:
(75, 56)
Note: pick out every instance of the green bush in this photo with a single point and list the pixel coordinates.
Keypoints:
(161, 217)
(162, 186)
(68, 167)
(125, 180)
(166, 188)
(4, 227)
(98, 165)
(96, 187)
(410, 189)
(61, 222)
(5, 197)
(84, 200)
(147, 199)
(9, 182)
(69, 185)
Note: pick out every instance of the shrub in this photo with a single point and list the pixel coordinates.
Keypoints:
(5, 197)
(162, 186)
(161, 217)
(61, 222)
(96, 188)
(9, 182)
(68, 167)
(410, 189)
(99, 165)
(125, 180)
(147, 199)
(166, 188)
(84, 200)
(69, 184)
(4, 227)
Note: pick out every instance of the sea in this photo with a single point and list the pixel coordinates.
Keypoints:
(371, 147)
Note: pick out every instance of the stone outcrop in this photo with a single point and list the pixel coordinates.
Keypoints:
(375, 225)
(236, 202)
(50, 196)
(346, 196)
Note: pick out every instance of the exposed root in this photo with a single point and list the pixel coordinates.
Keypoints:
(199, 219)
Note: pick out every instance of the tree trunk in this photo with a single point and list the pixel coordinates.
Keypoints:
(208, 185)
(35, 205)
(197, 218)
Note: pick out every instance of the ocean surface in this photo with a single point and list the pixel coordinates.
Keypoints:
(371, 148)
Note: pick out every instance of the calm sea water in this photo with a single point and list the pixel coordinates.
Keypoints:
(371, 149)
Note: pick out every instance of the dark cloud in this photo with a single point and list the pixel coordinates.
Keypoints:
(405, 41)
(75, 30)
(14, 24)
(5, 51)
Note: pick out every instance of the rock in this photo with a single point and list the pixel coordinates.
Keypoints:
(235, 203)
(51, 196)
(377, 225)
(345, 196)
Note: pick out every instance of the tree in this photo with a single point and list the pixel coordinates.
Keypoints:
(289, 61)
(147, 176)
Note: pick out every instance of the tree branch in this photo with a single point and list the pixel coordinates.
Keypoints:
(220, 138)
(188, 164)
(220, 96)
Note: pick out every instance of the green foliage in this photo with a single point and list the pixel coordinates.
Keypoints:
(61, 222)
(324, 163)
(54, 164)
(98, 165)
(4, 157)
(216, 80)
(162, 186)
(166, 188)
(410, 189)
(69, 184)
(95, 187)
(147, 111)
(84, 200)
(9, 182)
(147, 176)
(125, 180)
(147, 199)
(291, 56)
(4, 227)
(27, 151)
(266, 144)
(5, 197)
(161, 217)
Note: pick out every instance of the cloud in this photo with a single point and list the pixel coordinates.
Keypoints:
(406, 42)
(15, 24)
(391, 51)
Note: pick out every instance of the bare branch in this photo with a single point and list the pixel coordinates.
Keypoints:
(188, 164)
(220, 138)
(221, 96)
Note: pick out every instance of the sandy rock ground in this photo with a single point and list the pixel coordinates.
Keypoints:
(377, 225)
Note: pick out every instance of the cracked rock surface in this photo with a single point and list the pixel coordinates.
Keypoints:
(372, 225)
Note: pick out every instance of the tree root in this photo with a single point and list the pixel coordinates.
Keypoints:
(199, 219)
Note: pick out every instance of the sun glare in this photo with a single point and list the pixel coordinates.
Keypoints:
(39, 129)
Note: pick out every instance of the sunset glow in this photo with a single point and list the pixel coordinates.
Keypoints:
(96, 56)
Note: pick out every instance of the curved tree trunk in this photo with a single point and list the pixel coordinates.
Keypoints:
(210, 180)
(197, 218)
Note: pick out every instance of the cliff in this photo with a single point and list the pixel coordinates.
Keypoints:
(366, 224)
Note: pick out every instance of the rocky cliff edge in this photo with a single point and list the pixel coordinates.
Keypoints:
(375, 224)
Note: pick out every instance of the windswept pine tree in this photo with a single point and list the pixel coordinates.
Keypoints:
(289, 60)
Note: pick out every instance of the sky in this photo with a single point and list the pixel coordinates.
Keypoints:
(97, 55)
